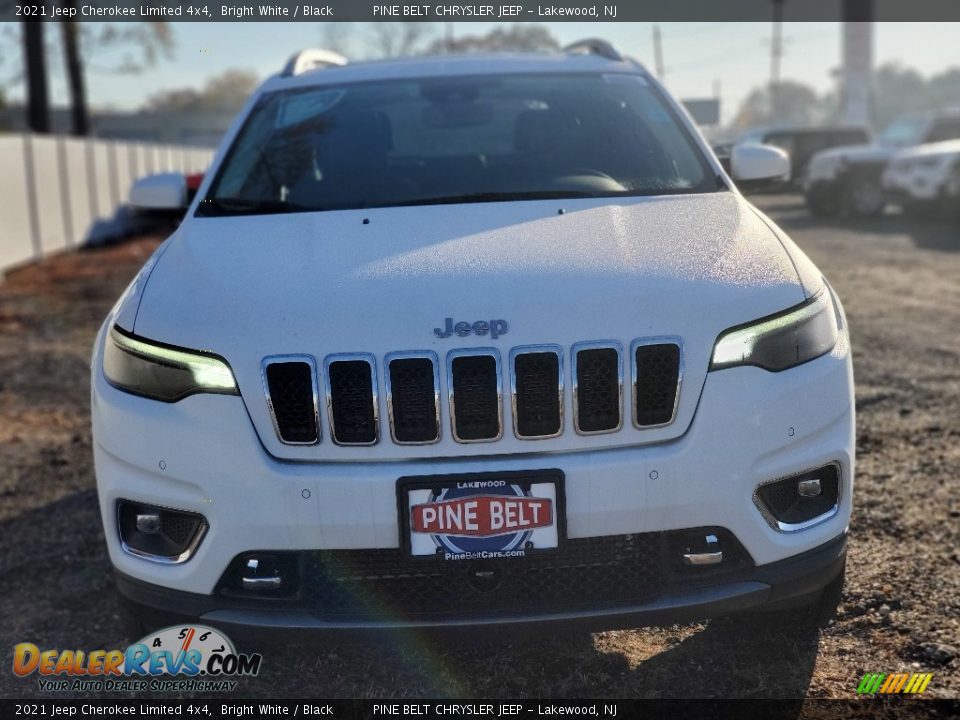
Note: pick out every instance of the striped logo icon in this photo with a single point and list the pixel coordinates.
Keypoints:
(904, 683)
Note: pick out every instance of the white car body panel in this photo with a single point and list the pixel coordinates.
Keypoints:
(825, 165)
(921, 172)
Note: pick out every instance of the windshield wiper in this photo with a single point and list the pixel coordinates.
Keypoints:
(501, 197)
(247, 206)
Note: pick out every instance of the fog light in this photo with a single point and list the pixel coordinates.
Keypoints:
(159, 534)
(261, 573)
(809, 488)
(148, 523)
(800, 501)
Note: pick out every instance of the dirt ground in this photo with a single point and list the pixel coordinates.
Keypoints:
(900, 283)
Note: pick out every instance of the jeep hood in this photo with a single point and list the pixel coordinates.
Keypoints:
(557, 272)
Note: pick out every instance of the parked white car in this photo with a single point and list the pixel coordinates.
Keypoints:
(849, 180)
(926, 179)
(468, 341)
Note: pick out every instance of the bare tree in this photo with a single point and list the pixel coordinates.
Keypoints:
(337, 36)
(144, 44)
(515, 38)
(35, 62)
(400, 38)
(79, 111)
(222, 93)
(797, 104)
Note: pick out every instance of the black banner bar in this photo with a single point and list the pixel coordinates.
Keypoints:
(899, 707)
(511, 11)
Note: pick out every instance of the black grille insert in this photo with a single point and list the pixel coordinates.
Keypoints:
(584, 573)
(657, 376)
(352, 408)
(413, 400)
(291, 387)
(598, 390)
(538, 401)
(476, 397)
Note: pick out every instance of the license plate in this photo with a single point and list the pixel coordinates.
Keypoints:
(482, 516)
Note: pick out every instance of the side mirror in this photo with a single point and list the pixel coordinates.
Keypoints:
(754, 165)
(164, 191)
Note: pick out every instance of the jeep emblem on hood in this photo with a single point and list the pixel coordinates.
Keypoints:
(495, 328)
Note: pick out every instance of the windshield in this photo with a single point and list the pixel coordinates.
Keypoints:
(462, 139)
(903, 132)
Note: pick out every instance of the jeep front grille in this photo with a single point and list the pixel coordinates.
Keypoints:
(597, 388)
(656, 382)
(413, 398)
(352, 399)
(291, 386)
(537, 391)
(474, 381)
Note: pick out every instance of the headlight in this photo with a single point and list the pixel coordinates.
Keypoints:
(782, 341)
(162, 372)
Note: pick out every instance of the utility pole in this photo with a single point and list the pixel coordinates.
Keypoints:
(657, 52)
(776, 54)
(716, 96)
(38, 103)
(448, 37)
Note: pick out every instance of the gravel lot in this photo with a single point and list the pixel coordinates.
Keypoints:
(900, 282)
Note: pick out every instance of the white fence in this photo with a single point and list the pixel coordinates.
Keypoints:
(60, 192)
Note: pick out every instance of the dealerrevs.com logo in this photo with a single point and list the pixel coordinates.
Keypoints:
(894, 683)
(176, 659)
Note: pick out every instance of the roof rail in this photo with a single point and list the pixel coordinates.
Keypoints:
(311, 59)
(595, 46)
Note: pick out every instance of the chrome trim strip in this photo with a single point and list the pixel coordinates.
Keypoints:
(700, 559)
(470, 352)
(532, 350)
(641, 342)
(596, 345)
(309, 360)
(412, 355)
(346, 357)
(164, 559)
(796, 527)
(264, 583)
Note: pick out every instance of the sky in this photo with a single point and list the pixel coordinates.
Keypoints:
(699, 58)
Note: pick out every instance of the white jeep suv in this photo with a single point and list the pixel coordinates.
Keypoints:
(473, 340)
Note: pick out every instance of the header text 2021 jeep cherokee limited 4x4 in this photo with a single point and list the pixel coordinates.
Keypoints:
(473, 340)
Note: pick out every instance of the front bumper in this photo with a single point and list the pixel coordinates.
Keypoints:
(792, 582)
(915, 188)
(202, 455)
